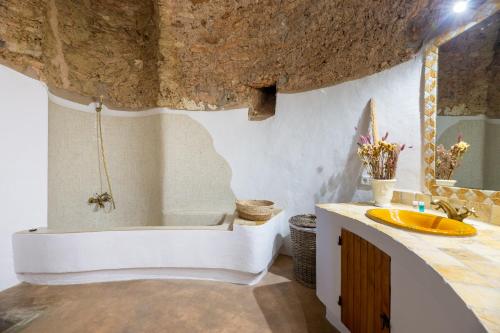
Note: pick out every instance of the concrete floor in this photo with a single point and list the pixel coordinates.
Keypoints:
(277, 304)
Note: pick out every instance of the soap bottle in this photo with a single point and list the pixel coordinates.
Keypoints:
(420, 205)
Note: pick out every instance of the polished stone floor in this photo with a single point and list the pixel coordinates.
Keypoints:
(276, 304)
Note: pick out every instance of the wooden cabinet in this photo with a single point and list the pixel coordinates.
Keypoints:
(365, 285)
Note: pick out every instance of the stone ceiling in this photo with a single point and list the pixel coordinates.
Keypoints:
(207, 55)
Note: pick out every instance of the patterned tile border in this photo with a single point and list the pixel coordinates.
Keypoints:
(489, 8)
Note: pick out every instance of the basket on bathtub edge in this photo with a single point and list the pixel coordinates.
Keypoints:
(255, 210)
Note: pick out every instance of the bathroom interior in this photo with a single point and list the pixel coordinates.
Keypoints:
(250, 166)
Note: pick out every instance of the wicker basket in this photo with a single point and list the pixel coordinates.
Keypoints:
(255, 210)
(303, 232)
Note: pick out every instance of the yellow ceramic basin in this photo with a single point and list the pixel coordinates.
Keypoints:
(421, 222)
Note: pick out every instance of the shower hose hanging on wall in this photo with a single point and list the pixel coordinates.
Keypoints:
(103, 197)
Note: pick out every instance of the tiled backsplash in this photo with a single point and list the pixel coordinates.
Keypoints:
(486, 212)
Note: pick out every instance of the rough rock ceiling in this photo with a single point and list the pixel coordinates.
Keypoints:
(204, 55)
(469, 72)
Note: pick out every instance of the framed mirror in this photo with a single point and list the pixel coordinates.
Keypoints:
(462, 110)
(468, 108)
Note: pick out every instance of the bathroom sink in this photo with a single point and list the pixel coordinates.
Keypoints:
(421, 222)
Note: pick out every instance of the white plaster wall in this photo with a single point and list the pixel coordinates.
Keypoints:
(23, 163)
(306, 153)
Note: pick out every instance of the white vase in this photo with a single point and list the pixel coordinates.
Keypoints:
(382, 191)
(446, 182)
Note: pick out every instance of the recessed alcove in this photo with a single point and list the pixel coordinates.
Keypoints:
(265, 105)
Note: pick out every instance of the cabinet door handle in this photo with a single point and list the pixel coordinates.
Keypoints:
(386, 321)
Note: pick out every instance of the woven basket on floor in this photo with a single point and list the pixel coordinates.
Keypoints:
(303, 232)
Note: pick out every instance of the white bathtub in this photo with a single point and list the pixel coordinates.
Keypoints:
(234, 251)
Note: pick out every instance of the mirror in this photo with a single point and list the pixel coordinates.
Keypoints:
(468, 108)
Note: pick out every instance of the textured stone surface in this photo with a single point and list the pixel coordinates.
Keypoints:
(205, 55)
(469, 71)
(95, 47)
(21, 35)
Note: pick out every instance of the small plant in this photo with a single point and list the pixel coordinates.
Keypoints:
(379, 158)
(448, 160)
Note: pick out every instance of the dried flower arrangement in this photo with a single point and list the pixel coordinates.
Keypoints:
(447, 161)
(380, 158)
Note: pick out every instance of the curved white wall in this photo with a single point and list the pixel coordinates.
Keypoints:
(305, 154)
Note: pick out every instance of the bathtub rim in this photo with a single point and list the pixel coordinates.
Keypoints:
(230, 221)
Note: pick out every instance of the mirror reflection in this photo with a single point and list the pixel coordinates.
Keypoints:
(468, 119)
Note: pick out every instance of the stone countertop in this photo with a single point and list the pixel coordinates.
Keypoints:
(470, 265)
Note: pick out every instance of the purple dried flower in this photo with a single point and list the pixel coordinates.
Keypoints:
(460, 137)
(402, 147)
(365, 139)
(385, 136)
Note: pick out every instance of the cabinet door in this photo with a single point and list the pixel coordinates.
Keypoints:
(365, 285)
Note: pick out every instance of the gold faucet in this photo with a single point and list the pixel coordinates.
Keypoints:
(453, 213)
